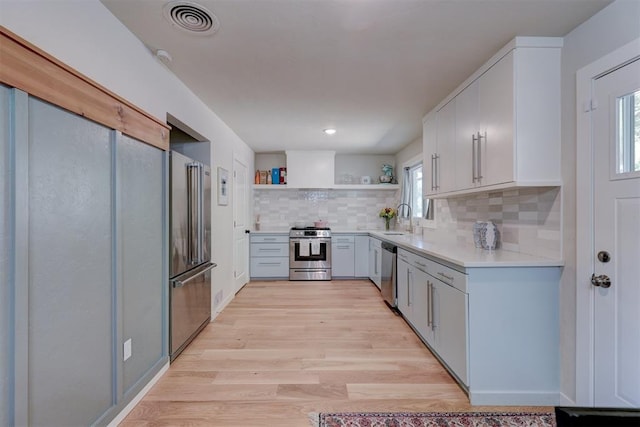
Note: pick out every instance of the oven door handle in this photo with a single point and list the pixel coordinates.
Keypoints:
(302, 239)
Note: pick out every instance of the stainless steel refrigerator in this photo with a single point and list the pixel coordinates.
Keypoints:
(190, 242)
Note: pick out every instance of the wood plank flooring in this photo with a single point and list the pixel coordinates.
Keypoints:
(282, 350)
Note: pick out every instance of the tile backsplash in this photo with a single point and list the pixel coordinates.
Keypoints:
(529, 219)
(343, 209)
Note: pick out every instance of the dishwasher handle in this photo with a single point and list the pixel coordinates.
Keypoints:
(389, 247)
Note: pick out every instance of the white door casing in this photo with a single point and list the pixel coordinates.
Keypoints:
(616, 232)
(240, 224)
(604, 218)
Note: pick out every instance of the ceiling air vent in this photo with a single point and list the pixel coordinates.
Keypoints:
(191, 17)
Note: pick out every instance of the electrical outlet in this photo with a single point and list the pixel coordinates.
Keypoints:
(217, 299)
(126, 350)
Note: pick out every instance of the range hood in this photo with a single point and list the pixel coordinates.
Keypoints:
(310, 169)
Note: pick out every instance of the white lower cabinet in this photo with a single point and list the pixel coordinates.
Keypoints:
(361, 267)
(375, 261)
(350, 256)
(435, 310)
(343, 256)
(269, 255)
(448, 324)
(496, 329)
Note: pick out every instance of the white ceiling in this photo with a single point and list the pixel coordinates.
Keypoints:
(278, 72)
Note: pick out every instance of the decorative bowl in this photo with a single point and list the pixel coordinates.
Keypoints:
(385, 179)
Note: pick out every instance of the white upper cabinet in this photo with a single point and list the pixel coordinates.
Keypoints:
(501, 126)
(496, 143)
(446, 150)
(467, 127)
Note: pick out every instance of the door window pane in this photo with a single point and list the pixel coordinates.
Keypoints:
(628, 144)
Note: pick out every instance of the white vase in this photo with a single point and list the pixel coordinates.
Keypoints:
(489, 236)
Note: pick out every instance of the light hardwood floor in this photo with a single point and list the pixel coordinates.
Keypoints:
(282, 350)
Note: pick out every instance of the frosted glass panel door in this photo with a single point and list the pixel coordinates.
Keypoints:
(140, 206)
(5, 261)
(70, 280)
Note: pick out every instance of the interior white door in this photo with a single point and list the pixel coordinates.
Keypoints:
(240, 224)
(616, 280)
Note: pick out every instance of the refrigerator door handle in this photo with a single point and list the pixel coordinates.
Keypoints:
(193, 203)
(200, 216)
(180, 283)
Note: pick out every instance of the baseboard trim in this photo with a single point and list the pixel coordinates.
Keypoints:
(513, 398)
(566, 401)
(222, 306)
(132, 404)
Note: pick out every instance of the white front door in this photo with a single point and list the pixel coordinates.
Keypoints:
(616, 171)
(240, 224)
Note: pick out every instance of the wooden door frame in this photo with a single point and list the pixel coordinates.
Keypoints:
(585, 79)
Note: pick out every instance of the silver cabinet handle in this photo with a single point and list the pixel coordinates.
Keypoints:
(269, 249)
(409, 287)
(430, 304)
(445, 276)
(437, 169)
(474, 139)
(479, 167)
(433, 172)
(432, 307)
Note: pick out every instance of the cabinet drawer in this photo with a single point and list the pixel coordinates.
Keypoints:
(342, 239)
(269, 250)
(270, 267)
(269, 238)
(447, 275)
(441, 272)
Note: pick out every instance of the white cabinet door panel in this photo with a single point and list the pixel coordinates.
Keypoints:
(497, 113)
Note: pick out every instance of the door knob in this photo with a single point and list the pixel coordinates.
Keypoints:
(602, 280)
(603, 256)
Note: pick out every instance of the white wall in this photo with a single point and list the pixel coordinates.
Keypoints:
(409, 152)
(614, 26)
(86, 36)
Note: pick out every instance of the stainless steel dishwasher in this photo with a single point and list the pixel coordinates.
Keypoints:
(388, 285)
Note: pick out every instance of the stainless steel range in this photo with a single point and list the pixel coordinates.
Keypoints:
(309, 253)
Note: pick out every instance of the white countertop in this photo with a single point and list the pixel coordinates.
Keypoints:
(465, 256)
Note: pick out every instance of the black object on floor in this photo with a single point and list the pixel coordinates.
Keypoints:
(597, 417)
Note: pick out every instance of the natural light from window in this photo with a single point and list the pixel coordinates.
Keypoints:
(628, 147)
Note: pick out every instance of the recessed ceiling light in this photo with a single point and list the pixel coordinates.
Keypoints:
(329, 131)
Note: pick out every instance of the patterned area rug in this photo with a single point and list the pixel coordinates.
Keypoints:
(425, 419)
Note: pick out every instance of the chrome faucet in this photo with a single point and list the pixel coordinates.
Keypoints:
(410, 216)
